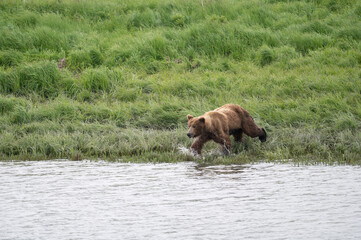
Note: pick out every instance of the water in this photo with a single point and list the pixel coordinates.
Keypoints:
(102, 200)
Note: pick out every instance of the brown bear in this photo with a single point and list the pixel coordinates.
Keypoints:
(219, 124)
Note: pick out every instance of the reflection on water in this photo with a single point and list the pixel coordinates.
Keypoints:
(102, 200)
(219, 169)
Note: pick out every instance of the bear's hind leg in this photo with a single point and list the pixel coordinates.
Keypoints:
(263, 137)
(251, 129)
(238, 135)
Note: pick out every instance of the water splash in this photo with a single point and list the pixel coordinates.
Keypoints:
(191, 153)
(216, 152)
(186, 151)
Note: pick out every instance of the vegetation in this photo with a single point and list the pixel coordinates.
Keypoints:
(115, 79)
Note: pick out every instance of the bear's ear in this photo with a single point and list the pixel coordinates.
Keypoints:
(202, 120)
(189, 117)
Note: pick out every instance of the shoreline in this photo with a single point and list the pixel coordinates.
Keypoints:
(149, 145)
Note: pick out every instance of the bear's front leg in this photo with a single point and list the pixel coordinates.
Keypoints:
(225, 142)
(198, 143)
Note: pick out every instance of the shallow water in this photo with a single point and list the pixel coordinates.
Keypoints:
(103, 200)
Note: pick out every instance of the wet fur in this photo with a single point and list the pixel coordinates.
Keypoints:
(218, 125)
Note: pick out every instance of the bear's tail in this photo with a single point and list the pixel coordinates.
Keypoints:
(263, 137)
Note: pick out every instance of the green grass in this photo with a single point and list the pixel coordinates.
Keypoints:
(115, 79)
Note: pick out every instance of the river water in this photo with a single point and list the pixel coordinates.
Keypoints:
(104, 200)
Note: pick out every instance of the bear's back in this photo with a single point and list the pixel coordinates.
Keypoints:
(230, 114)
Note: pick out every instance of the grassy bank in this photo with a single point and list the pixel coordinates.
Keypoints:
(116, 79)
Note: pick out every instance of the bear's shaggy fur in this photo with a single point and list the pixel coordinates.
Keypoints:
(219, 124)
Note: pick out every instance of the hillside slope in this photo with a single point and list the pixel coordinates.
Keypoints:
(115, 79)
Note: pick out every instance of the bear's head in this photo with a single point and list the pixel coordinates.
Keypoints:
(195, 126)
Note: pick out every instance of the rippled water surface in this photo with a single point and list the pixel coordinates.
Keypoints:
(102, 200)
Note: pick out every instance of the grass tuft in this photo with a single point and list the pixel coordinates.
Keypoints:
(6, 105)
(10, 58)
(42, 78)
(96, 80)
(26, 19)
(265, 56)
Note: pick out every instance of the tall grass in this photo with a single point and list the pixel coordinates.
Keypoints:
(92, 140)
(110, 79)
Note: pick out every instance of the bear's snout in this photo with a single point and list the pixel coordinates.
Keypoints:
(189, 135)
